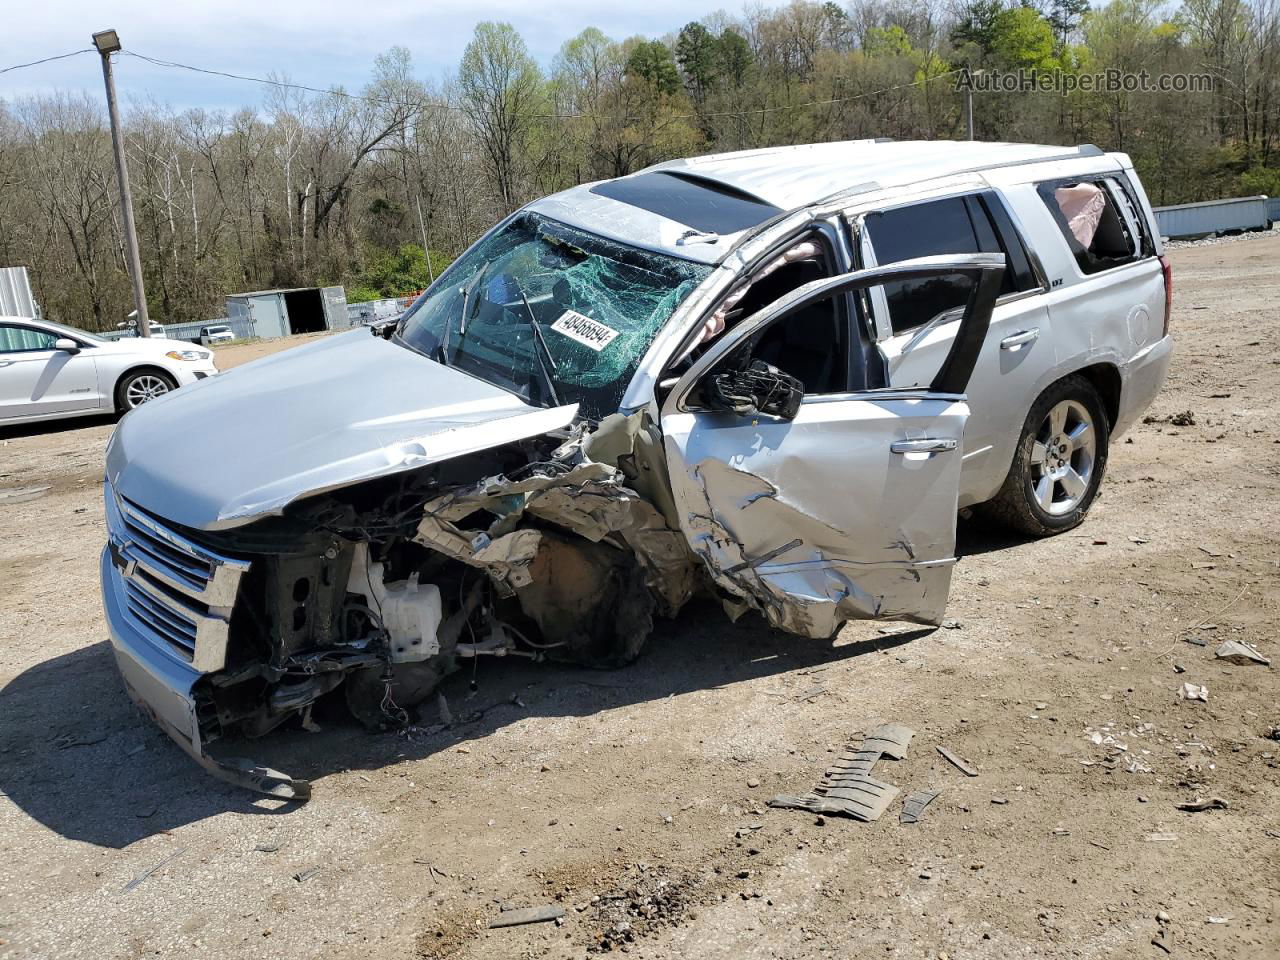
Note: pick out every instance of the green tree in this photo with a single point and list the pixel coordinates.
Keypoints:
(501, 89)
(650, 61)
(978, 27)
(734, 57)
(696, 52)
(1064, 17)
(1022, 38)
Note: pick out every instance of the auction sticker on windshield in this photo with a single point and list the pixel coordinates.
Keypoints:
(591, 333)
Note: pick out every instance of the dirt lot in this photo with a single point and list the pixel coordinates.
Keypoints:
(630, 798)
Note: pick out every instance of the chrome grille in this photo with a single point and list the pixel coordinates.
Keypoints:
(159, 617)
(178, 594)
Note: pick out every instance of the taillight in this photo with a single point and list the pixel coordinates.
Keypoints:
(1167, 269)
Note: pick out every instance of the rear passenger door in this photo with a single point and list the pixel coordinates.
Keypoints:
(916, 320)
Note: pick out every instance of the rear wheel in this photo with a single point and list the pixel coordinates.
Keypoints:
(140, 386)
(1059, 462)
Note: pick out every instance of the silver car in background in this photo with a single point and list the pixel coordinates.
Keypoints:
(770, 377)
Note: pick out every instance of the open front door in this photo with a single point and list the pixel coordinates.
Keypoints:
(820, 508)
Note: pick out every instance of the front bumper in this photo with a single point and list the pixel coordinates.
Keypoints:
(166, 688)
(190, 371)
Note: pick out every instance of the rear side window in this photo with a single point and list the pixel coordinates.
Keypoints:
(1099, 221)
(968, 224)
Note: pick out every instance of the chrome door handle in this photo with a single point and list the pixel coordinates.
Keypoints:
(923, 445)
(1020, 339)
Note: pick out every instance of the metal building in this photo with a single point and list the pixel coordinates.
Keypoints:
(15, 293)
(1192, 220)
(279, 313)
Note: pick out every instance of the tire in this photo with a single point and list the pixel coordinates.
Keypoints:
(1051, 485)
(138, 386)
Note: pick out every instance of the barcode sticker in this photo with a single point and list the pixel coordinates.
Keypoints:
(588, 332)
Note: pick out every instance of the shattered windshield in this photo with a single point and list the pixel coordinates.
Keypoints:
(549, 312)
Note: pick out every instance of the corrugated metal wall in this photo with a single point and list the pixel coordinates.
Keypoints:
(1189, 220)
(15, 293)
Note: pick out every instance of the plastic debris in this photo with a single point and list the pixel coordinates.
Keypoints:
(956, 762)
(1194, 691)
(847, 787)
(150, 870)
(523, 915)
(913, 806)
(1237, 651)
(1197, 805)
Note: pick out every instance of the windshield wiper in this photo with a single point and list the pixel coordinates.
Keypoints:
(538, 341)
(466, 290)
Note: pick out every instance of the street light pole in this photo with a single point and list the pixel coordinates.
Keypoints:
(108, 42)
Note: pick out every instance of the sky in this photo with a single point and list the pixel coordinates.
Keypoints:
(318, 43)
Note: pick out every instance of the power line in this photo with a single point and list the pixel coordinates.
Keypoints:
(334, 92)
(36, 63)
(550, 116)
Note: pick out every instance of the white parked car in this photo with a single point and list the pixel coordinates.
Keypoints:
(48, 371)
(216, 333)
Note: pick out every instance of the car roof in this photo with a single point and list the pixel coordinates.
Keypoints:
(785, 178)
(795, 176)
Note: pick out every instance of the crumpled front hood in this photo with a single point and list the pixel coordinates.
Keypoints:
(228, 450)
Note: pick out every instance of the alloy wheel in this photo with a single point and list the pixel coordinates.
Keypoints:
(1063, 457)
(145, 387)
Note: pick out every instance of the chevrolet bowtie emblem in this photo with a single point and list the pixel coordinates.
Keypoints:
(120, 560)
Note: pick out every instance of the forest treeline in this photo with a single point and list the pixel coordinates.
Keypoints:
(356, 186)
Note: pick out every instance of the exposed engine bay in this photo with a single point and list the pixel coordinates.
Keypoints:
(378, 591)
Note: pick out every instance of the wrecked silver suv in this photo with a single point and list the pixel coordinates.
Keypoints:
(622, 396)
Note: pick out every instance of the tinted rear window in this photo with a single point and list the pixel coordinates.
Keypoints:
(703, 206)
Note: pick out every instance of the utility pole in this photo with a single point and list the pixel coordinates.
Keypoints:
(108, 42)
(968, 99)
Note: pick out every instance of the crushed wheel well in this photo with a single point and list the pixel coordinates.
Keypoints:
(1105, 378)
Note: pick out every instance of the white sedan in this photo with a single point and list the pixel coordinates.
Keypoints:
(48, 371)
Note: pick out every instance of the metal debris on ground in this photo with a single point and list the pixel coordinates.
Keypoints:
(150, 870)
(302, 876)
(913, 806)
(523, 915)
(1236, 651)
(956, 762)
(847, 787)
(1197, 805)
(1194, 691)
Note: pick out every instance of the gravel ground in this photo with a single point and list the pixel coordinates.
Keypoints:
(635, 799)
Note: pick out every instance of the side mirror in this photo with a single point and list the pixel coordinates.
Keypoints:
(66, 344)
(760, 388)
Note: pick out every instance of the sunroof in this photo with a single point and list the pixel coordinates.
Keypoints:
(702, 205)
